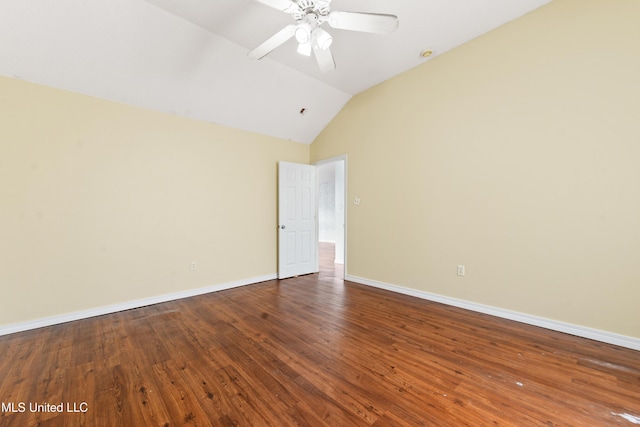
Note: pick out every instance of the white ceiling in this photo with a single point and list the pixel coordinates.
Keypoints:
(189, 57)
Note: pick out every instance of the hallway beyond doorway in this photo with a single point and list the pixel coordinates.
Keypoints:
(328, 266)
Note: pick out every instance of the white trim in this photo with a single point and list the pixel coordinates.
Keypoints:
(554, 325)
(99, 311)
(331, 160)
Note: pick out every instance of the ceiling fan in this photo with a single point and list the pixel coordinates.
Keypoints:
(310, 15)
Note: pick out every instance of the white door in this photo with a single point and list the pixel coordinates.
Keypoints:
(296, 219)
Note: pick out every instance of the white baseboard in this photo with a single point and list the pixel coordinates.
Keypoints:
(568, 328)
(99, 311)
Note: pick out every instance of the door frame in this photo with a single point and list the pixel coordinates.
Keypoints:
(344, 228)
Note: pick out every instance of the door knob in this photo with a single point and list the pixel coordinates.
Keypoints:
(282, 227)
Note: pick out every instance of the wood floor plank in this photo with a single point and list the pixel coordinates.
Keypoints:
(179, 403)
(314, 351)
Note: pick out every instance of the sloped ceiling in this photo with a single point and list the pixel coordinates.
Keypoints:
(189, 57)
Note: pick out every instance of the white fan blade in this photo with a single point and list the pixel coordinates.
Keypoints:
(367, 22)
(325, 60)
(273, 42)
(278, 4)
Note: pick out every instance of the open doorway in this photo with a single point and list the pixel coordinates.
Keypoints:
(331, 191)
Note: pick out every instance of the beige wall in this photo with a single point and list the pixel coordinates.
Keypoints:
(517, 155)
(102, 203)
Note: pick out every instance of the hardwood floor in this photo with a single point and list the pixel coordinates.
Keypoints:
(313, 351)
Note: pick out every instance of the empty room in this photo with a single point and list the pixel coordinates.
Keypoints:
(319, 213)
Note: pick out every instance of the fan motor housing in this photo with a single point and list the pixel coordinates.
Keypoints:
(306, 7)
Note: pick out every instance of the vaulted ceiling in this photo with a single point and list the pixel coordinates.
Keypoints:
(189, 57)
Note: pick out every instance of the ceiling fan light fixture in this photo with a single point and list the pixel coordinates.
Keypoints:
(323, 39)
(304, 49)
(303, 33)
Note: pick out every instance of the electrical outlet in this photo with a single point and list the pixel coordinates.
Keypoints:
(461, 270)
(194, 266)
(356, 201)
